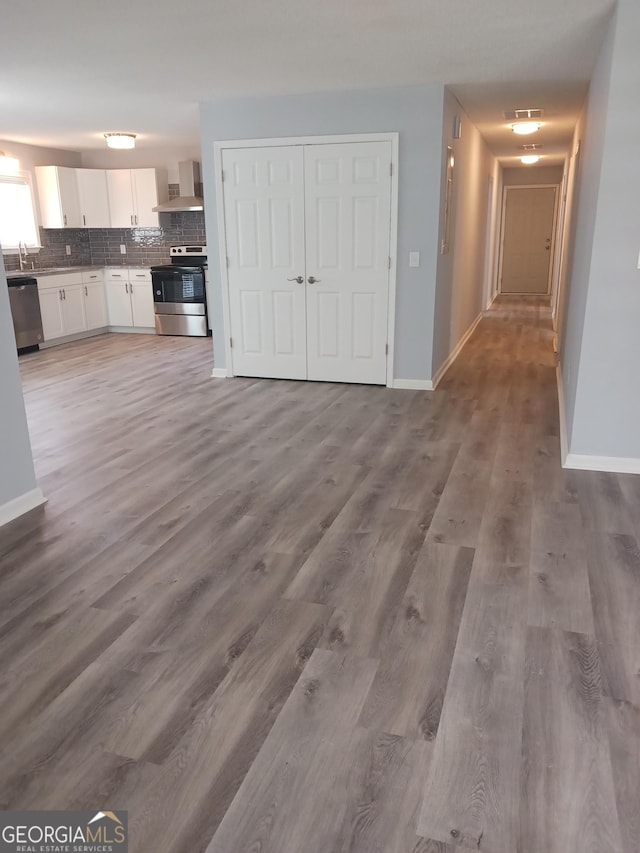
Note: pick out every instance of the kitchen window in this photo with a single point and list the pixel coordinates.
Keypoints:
(17, 214)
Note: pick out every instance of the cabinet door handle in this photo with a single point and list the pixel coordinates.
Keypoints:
(64, 218)
(86, 292)
(60, 295)
(126, 286)
(132, 218)
(84, 220)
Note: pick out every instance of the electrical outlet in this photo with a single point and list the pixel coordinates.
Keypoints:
(123, 249)
(68, 250)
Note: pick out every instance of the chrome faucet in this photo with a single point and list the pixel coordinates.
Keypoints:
(23, 254)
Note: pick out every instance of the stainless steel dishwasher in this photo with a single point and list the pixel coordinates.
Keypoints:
(25, 310)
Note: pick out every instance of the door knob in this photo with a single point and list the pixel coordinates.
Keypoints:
(313, 280)
(298, 278)
(547, 244)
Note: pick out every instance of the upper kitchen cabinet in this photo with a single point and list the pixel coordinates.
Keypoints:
(93, 197)
(133, 193)
(58, 195)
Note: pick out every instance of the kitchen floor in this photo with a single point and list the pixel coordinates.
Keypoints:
(303, 617)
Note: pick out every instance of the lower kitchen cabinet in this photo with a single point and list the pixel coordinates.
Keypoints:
(129, 298)
(61, 305)
(71, 303)
(95, 305)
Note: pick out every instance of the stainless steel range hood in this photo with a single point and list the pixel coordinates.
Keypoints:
(189, 173)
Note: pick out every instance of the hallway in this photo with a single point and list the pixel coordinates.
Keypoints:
(309, 617)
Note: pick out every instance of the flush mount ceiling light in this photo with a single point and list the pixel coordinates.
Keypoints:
(120, 140)
(522, 128)
(8, 164)
(530, 159)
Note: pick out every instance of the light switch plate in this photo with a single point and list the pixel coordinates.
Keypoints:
(414, 259)
(68, 248)
(123, 249)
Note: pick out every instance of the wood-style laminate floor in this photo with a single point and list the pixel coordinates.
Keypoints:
(295, 617)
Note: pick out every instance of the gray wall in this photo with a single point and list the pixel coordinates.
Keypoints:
(601, 352)
(461, 271)
(414, 112)
(17, 476)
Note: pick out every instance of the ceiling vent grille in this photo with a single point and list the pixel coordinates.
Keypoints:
(515, 115)
(531, 146)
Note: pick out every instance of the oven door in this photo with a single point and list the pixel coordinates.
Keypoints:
(178, 290)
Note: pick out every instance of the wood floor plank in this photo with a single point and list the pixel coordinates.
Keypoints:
(614, 580)
(559, 594)
(568, 799)
(408, 691)
(306, 751)
(623, 724)
(472, 793)
(363, 576)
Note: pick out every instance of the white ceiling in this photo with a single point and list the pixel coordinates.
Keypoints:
(70, 71)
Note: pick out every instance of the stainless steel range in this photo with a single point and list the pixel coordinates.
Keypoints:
(179, 292)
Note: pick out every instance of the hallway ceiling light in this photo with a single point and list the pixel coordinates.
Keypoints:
(120, 140)
(522, 128)
(530, 159)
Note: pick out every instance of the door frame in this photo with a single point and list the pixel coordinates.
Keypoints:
(333, 139)
(552, 248)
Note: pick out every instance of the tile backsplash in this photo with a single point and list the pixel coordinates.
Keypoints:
(101, 246)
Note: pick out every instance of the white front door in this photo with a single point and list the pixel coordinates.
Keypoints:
(528, 237)
(264, 224)
(320, 213)
(347, 219)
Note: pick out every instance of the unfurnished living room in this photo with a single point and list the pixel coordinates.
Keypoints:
(319, 457)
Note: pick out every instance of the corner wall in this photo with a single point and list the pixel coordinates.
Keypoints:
(601, 350)
(461, 272)
(18, 489)
(416, 114)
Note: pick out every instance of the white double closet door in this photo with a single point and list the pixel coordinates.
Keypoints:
(307, 232)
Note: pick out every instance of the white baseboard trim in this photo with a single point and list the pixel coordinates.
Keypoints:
(610, 464)
(585, 461)
(18, 506)
(413, 384)
(456, 351)
(80, 336)
(133, 330)
(219, 373)
(564, 439)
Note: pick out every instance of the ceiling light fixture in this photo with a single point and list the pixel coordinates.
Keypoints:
(522, 128)
(530, 159)
(120, 140)
(8, 165)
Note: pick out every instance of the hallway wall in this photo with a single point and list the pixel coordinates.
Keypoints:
(460, 273)
(601, 350)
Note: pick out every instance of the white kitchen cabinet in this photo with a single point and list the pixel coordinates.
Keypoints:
(62, 305)
(133, 193)
(142, 304)
(129, 298)
(58, 197)
(51, 314)
(93, 198)
(95, 306)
